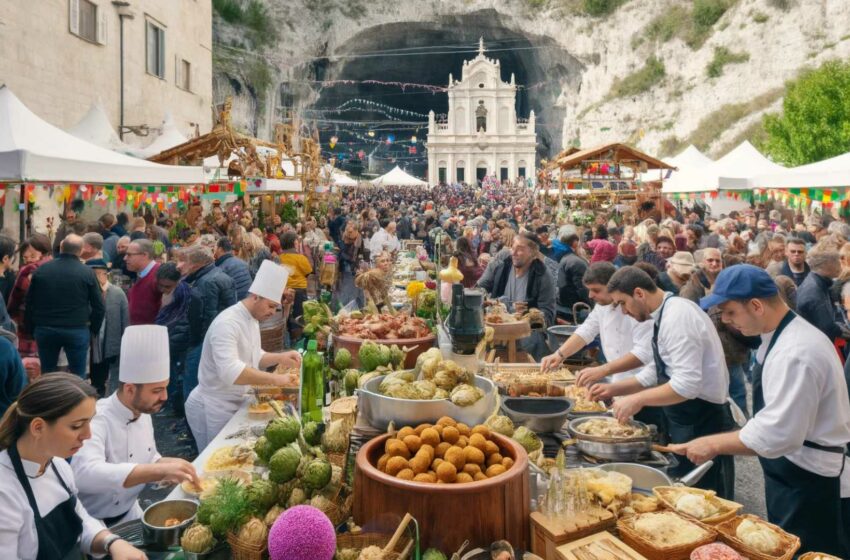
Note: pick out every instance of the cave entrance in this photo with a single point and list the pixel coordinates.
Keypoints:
(363, 94)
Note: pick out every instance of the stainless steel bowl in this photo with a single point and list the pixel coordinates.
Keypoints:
(154, 532)
(610, 449)
(644, 478)
(538, 414)
(558, 334)
(379, 410)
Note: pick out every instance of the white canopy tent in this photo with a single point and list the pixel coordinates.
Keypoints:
(32, 150)
(96, 129)
(829, 173)
(689, 158)
(734, 169)
(168, 137)
(398, 178)
(342, 180)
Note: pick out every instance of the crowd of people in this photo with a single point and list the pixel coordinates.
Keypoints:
(209, 277)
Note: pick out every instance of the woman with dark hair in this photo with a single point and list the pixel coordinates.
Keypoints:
(467, 262)
(34, 252)
(42, 517)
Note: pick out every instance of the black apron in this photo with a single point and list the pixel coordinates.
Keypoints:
(692, 419)
(59, 531)
(803, 503)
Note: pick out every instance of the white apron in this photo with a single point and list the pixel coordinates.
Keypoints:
(208, 413)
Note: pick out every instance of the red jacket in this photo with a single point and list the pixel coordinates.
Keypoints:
(145, 299)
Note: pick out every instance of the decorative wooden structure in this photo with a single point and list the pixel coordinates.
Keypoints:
(448, 514)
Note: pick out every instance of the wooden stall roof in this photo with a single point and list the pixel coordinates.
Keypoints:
(572, 157)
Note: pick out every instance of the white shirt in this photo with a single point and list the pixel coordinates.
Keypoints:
(231, 344)
(105, 461)
(620, 335)
(690, 347)
(805, 396)
(18, 538)
(383, 241)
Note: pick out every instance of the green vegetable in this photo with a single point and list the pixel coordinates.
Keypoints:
(361, 382)
(298, 497)
(385, 358)
(283, 465)
(282, 431)
(352, 376)
(369, 355)
(317, 475)
(263, 449)
(433, 554)
(528, 439)
(396, 355)
(227, 508)
(197, 539)
(342, 359)
(501, 425)
(261, 494)
(312, 433)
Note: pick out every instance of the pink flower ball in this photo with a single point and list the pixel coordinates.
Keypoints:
(302, 533)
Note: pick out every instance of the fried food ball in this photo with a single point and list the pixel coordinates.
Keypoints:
(404, 432)
(406, 474)
(428, 450)
(473, 455)
(439, 430)
(462, 441)
(463, 429)
(450, 434)
(382, 462)
(426, 477)
(419, 464)
(479, 476)
(471, 469)
(446, 472)
(494, 470)
(435, 463)
(456, 456)
(490, 448)
(395, 465)
(441, 449)
(413, 443)
(463, 478)
(483, 430)
(477, 440)
(396, 448)
(507, 462)
(430, 436)
(446, 421)
(494, 459)
(420, 427)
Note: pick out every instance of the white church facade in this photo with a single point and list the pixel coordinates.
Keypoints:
(482, 136)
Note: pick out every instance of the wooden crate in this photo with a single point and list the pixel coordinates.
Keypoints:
(573, 550)
(547, 533)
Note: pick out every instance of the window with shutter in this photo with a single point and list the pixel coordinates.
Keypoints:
(155, 49)
(186, 75)
(84, 18)
(101, 26)
(74, 16)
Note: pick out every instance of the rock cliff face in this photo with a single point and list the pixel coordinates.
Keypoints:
(657, 73)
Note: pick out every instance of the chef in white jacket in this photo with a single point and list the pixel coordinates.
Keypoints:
(41, 518)
(801, 423)
(121, 457)
(232, 359)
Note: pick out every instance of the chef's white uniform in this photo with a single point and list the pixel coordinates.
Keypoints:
(231, 344)
(620, 334)
(117, 445)
(18, 538)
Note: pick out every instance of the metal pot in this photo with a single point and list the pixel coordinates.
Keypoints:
(154, 532)
(558, 334)
(538, 414)
(645, 478)
(611, 449)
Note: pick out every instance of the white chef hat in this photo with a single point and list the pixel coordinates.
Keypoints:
(144, 355)
(270, 281)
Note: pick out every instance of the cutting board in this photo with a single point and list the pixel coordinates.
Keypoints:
(599, 546)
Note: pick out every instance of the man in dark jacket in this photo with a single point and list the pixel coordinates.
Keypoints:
(336, 225)
(404, 226)
(8, 248)
(814, 303)
(571, 289)
(63, 307)
(212, 292)
(12, 374)
(233, 266)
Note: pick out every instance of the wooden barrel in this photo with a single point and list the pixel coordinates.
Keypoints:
(271, 333)
(448, 514)
(418, 345)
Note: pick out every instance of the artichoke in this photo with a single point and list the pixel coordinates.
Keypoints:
(431, 354)
(263, 449)
(440, 394)
(197, 539)
(466, 395)
(317, 475)
(363, 379)
(312, 433)
(445, 379)
(261, 495)
(423, 390)
(282, 431)
(384, 355)
(433, 554)
(272, 515)
(391, 385)
(396, 355)
(528, 439)
(283, 465)
(350, 381)
(296, 498)
(322, 504)
(342, 359)
(369, 355)
(501, 425)
(254, 532)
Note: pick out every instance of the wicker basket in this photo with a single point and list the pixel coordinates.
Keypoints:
(651, 551)
(728, 509)
(363, 540)
(812, 555)
(241, 550)
(727, 529)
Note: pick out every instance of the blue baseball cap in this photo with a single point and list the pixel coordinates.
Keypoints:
(742, 281)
